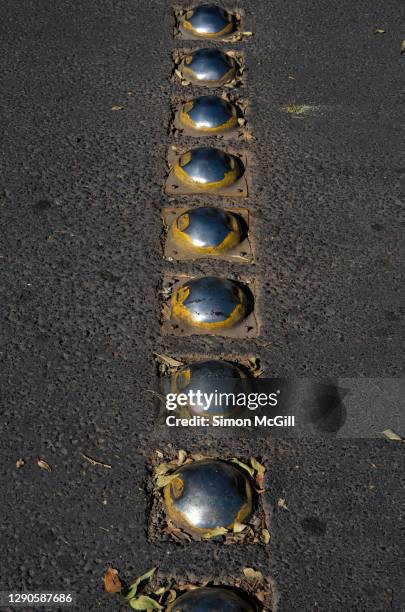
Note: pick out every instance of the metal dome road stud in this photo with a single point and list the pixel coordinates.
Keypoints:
(207, 599)
(208, 168)
(209, 67)
(208, 115)
(210, 303)
(208, 377)
(207, 494)
(208, 21)
(207, 233)
(207, 230)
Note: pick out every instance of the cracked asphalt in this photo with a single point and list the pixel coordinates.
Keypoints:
(81, 201)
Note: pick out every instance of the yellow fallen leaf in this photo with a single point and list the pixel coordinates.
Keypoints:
(144, 603)
(260, 469)
(282, 504)
(160, 591)
(238, 527)
(391, 435)
(163, 468)
(171, 595)
(164, 479)
(141, 581)
(182, 456)
(245, 467)
(218, 531)
(298, 110)
(379, 31)
(253, 576)
(266, 536)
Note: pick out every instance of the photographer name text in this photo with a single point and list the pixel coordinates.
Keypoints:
(221, 421)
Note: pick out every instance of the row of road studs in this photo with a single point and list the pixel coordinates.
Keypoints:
(196, 497)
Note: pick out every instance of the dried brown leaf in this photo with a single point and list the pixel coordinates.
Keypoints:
(166, 311)
(107, 466)
(112, 582)
(44, 465)
(159, 395)
(282, 503)
(170, 361)
(177, 533)
(117, 108)
(19, 463)
(198, 456)
(193, 587)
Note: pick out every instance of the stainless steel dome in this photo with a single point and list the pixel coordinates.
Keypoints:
(211, 599)
(208, 21)
(210, 303)
(208, 168)
(211, 230)
(208, 66)
(209, 114)
(208, 377)
(207, 494)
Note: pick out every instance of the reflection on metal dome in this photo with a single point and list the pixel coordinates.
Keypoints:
(208, 66)
(207, 599)
(207, 494)
(208, 21)
(209, 377)
(208, 168)
(210, 303)
(209, 115)
(209, 230)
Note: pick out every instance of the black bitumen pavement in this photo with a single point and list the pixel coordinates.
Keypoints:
(81, 266)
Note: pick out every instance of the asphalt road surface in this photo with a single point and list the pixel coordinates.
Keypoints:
(81, 198)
